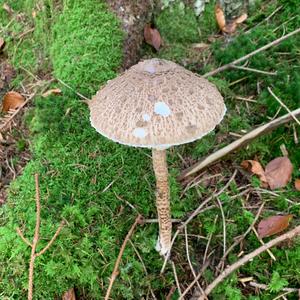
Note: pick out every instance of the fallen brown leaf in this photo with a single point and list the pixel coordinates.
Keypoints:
(12, 100)
(255, 167)
(220, 17)
(230, 28)
(51, 92)
(7, 8)
(278, 172)
(297, 184)
(152, 37)
(273, 225)
(69, 295)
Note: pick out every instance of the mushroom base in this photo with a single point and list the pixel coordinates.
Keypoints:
(160, 167)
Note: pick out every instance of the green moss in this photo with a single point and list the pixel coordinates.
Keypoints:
(178, 24)
(86, 50)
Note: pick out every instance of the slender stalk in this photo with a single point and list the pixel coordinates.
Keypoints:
(160, 167)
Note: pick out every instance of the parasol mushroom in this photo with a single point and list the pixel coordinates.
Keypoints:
(157, 104)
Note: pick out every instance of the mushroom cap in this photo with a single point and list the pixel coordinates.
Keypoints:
(156, 104)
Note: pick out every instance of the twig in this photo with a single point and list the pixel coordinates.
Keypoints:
(62, 223)
(143, 264)
(265, 287)
(189, 259)
(243, 141)
(19, 232)
(196, 280)
(208, 242)
(36, 238)
(117, 263)
(289, 235)
(69, 87)
(253, 70)
(283, 105)
(242, 237)
(237, 61)
(6, 123)
(224, 224)
(176, 279)
(194, 214)
(262, 243)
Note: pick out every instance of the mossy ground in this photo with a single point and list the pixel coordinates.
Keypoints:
(76, 164)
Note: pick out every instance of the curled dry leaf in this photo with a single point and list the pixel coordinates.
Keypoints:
(12, 100)
(297, 184)
(220, 16)
(51, 92)
(273, 225)
(152, 37)
(69, 295)
(255, 167)
(278, 172)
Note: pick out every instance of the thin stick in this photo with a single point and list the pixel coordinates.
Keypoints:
(265, 287)
(289, 235)
(33, 246)
(143, 264)
(69, 87)
(243, 141)
(117, 263)
(262, 243)
(283, 105)
(189, 258)
(36, 236)
(196, 280)
(253, 70)
(176, 279)
(193, 215)
(7, 122)
(224, 224)
(52, 240)
(19, 232)
(242, 237)
(237, 61)
(208, 242)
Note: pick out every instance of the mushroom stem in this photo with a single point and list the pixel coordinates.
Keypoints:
(160, 167)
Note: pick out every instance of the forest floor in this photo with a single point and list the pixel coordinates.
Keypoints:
(97, 187)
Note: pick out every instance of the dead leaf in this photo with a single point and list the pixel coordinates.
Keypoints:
(52, 92)
(297, 184)
(273, 225)
(255, 167)
(152, 37)
(2, 44)
(12, 100)
(220, 17)
(69, 295)
(278, 172)
(7, 8)
(241, 19)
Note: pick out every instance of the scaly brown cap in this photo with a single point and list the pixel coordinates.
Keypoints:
(156, 104)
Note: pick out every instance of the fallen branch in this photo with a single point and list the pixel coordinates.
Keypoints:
(117, 263)
(243, 141)
(35, 241)
(289, 235)
(265, 287)
(239, 60)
